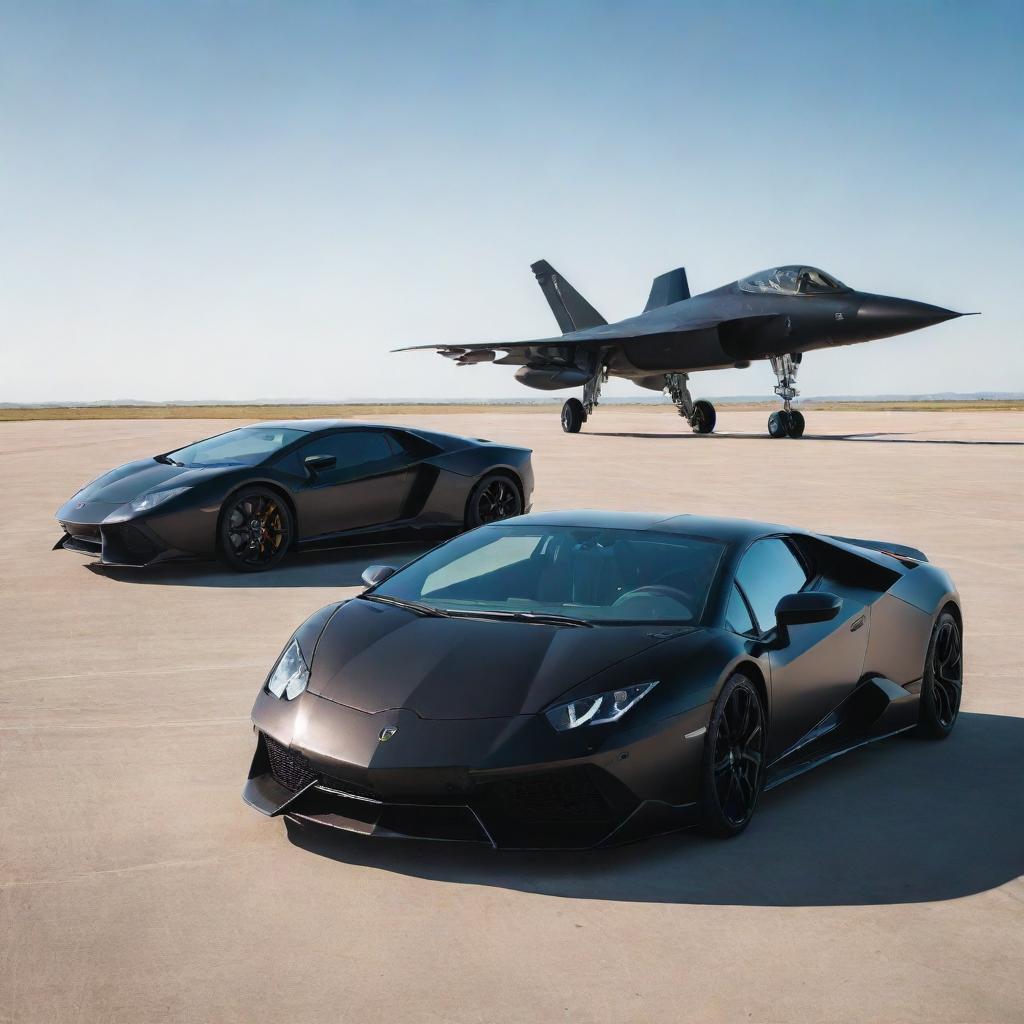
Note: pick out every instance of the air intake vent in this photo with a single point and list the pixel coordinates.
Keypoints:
(288, 767)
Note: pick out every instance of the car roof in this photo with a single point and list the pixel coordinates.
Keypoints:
(311, 426)
(443, 440)
(720, 528)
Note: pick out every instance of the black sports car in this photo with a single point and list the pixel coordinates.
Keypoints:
(581, 678)
(252, 494)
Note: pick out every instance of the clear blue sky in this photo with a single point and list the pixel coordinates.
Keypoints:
(259, 200)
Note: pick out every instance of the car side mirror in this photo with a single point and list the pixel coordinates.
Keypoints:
(800, 609)
(375, 574)
(318, 463)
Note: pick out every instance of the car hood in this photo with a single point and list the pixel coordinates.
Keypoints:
(375, 657)
(137, 478)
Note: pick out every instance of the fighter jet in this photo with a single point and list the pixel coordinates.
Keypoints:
(777, 314)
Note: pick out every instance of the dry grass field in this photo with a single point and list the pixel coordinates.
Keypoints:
(387, 410)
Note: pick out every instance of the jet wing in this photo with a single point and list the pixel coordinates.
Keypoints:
(516, 353)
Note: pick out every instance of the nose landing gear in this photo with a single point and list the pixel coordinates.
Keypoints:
(787, 422)
(700, 414)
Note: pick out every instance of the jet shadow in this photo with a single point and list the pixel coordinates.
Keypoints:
(901, 821)
(333, 567)
(872, 438)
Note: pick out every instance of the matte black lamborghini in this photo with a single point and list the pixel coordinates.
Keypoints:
(251, 494)
(581, 678)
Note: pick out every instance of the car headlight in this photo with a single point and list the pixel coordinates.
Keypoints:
(599, 709)
(154, 498)
(290, 675)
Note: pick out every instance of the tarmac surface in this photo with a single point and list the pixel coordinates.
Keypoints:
(136, 886)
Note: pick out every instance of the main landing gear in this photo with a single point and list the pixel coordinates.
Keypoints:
(700, 414)
(787, 422)
(573, 416)
(574, 412)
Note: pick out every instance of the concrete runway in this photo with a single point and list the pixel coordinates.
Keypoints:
(136, 886)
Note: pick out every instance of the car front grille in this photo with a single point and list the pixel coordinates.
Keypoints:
(559, 795)
(287, 766)
(136, 544)
(571, 807)
(88, 532)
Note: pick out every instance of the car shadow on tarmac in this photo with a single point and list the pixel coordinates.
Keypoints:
(337, 567)
(901, 821)
(875, 438)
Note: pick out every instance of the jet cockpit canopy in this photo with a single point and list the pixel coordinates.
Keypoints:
(793, 280)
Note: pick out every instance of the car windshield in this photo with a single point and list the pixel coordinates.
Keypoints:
(246, 446)
(792, 281)
(599, 576)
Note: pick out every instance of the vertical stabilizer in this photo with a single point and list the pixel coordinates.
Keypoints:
(668, 288)
(571, 310)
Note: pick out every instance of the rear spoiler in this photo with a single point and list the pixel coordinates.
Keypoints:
(899, 551)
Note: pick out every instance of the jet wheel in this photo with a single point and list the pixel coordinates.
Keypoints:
(704, 417)
(573, 416)
(786, 424)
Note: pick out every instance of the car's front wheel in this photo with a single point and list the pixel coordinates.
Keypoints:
(943, 679)
(494, 498)
(255, 530)
(732, 772)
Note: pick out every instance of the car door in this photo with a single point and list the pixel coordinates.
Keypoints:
(821, 663)
(368, 485)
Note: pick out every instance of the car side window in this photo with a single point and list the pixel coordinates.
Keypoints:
(358, 453)
(413, 446)
(769, 571)
(737, 617)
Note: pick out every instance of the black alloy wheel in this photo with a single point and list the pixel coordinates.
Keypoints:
(943, 679)
(733, 770)
(573, 416)
(704, 417)
(255, 530)
(796, 423)
(778, 424)
(494, 498)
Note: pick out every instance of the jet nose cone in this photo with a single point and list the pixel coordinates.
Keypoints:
(883, 315)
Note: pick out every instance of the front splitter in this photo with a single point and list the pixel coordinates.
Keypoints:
(328, 807)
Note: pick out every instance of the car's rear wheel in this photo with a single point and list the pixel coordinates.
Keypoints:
(494, 498)
(732, 772)
(943, 679)
(255, 530)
